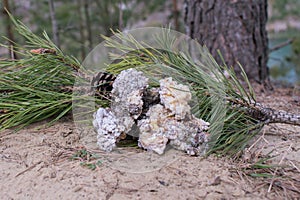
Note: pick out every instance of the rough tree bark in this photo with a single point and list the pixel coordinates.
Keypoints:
(236, 27)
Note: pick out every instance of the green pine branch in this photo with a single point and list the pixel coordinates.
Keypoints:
(40, 86)
(34, 87)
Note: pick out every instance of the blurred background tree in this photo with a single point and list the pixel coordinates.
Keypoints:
(9, 30)
(77, 24)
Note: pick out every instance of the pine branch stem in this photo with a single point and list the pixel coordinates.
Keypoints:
(267, 115)
(278, 116)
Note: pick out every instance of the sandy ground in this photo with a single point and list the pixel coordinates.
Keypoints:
(35, 163)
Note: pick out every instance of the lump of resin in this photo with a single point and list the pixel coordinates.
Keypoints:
(126, 107)
(152, 132)
(127, 93)
(126, 82)
(108, 128)
(172, 121)
(191, 136)
(160, 127)
(134, 103)
(175, 97)
(162, 116)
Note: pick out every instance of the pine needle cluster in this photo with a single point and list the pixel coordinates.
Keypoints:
(37, 86)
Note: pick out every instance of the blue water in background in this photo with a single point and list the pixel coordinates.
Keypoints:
(278, 59)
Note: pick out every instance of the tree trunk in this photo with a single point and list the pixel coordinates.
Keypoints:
(88, 24)
(10, 35)
(54, 23)
(121, 22)
(176, 15)
(235, 27)
(81, 28)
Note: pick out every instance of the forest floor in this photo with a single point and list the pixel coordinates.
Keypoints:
(36, 163)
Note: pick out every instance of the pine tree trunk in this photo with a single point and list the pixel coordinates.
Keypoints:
(176, 15)
(88, 24)
(236, 27)
(10, 34)
(81, 28)
(54, 23)
(121, 22)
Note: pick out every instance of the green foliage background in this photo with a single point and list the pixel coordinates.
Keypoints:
(284, 8)
(103, 14)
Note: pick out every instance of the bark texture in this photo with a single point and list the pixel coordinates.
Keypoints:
(236, 27)
(266, 115)
(269, 115)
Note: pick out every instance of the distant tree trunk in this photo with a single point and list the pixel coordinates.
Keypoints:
(81, 28)
(176, 15)
(236, 27)
(10, 35)
(121, 24)
(54, 23)
(88, 24)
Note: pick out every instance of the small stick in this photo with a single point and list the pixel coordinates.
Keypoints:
(261, 137)
(29, 168)
(294, 166)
